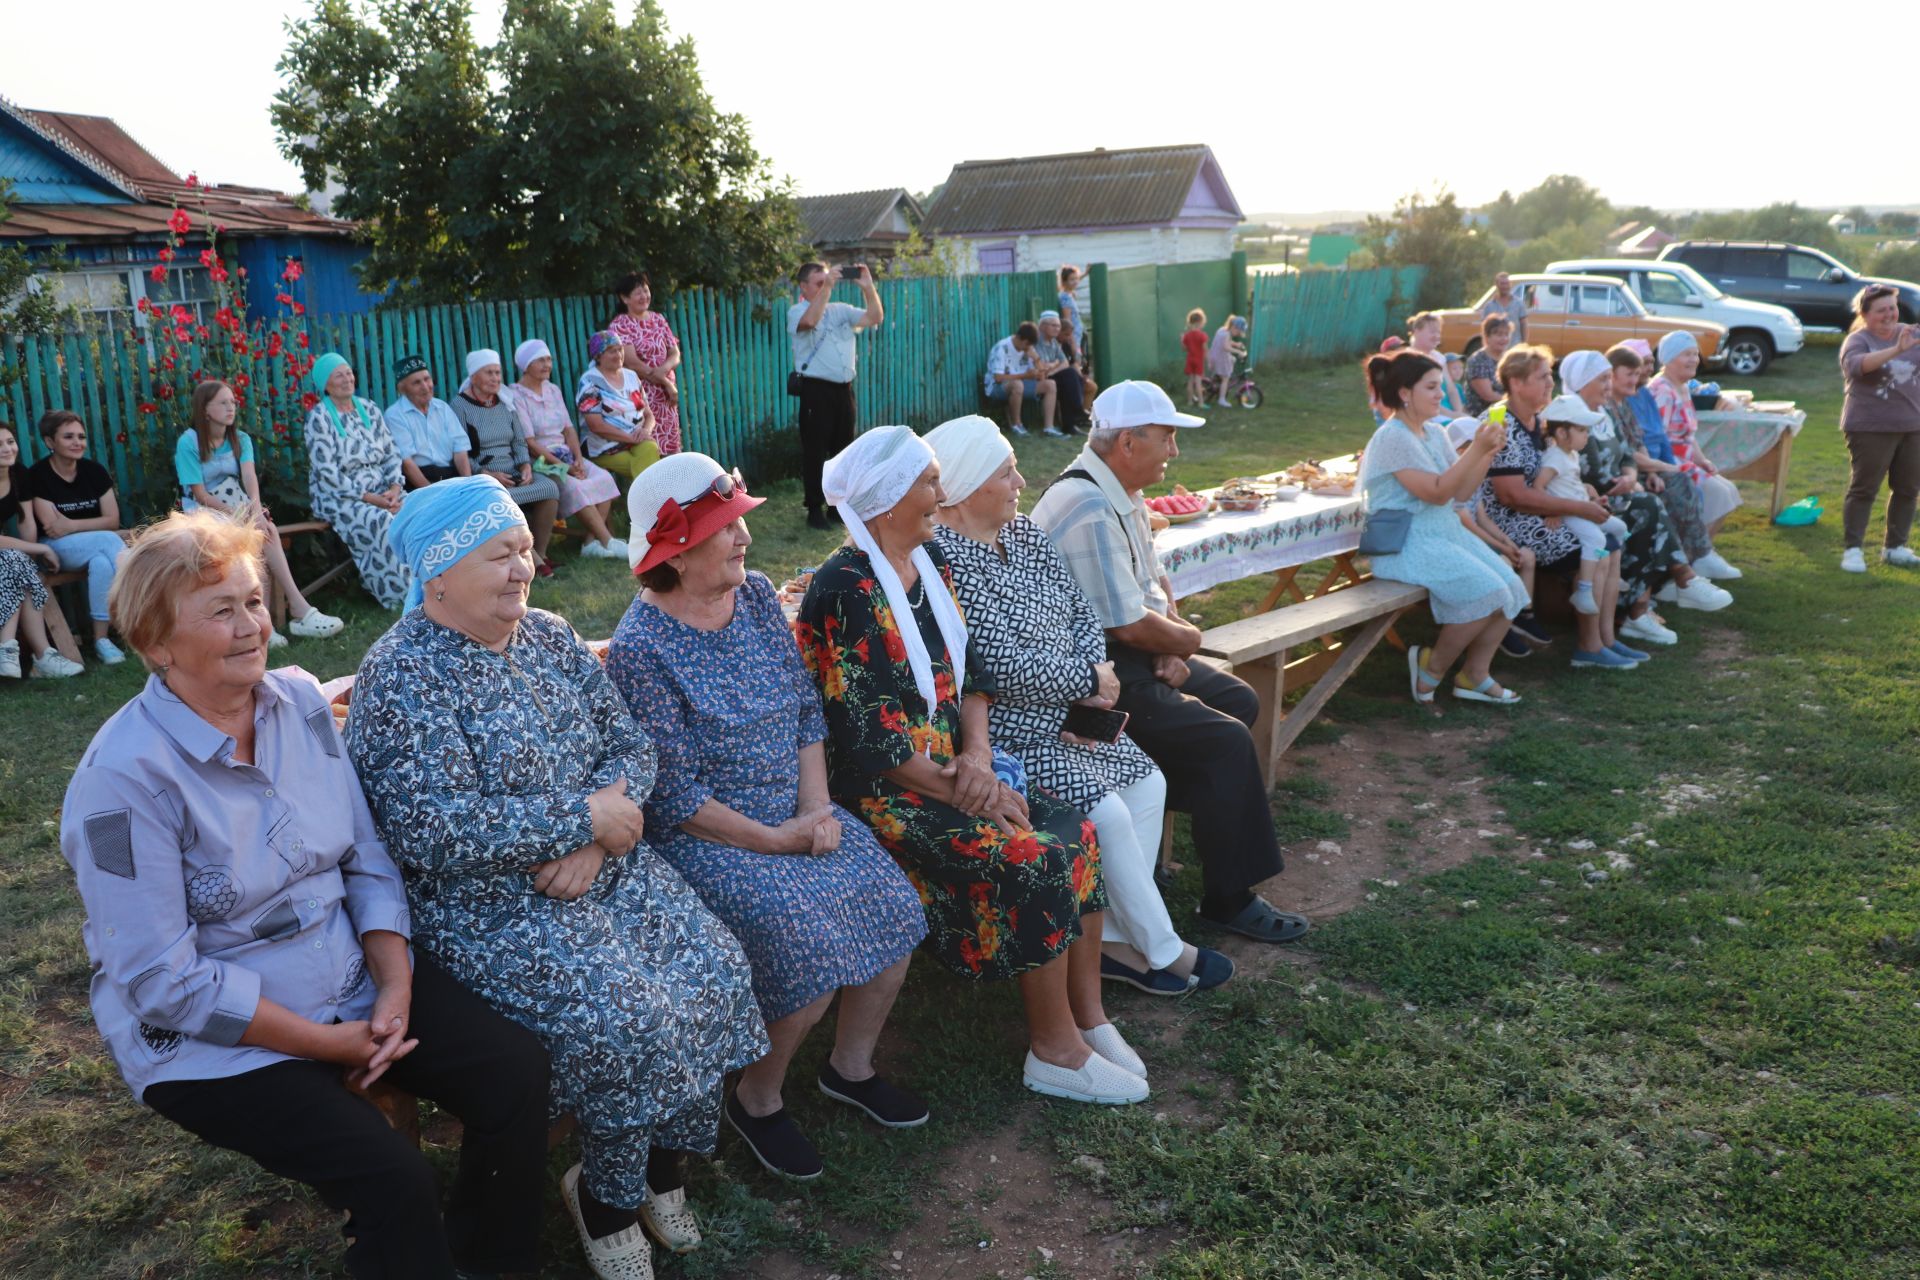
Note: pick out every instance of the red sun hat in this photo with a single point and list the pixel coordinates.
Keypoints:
(678, 503)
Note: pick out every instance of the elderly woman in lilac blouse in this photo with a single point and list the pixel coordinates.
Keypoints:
(248, 932)
(708, 666)
(507, 779)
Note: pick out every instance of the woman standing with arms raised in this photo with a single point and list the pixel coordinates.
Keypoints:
(1880, 361)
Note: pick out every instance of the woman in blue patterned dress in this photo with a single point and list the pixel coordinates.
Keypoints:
(711, 672)
(506, 778)
(353, 476)
(1410, 466)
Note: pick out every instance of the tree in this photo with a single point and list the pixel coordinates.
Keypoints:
(577, 148)
(1428, 231)
(1899, 222)
(24, 308)
(1561, 201)
(1862, 220)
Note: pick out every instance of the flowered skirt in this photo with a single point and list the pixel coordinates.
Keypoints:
(997, 906)
(597, 486)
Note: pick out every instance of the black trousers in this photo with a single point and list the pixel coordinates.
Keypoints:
(1199, 735)
(299, 1120)
(828, 412)
(1072, 401)
(436, 473)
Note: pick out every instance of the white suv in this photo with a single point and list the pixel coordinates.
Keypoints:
(1757, 331)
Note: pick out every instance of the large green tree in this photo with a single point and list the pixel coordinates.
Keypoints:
(578, 147)
(1429, 231)
(23, 308)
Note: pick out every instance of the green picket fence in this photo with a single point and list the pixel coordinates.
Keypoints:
(1323, 315)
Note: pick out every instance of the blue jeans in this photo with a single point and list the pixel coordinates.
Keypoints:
(1029, 388)
(98, 552)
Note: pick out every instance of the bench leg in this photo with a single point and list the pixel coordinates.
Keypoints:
(1352, 653)
(59, 635)
(1268, 677)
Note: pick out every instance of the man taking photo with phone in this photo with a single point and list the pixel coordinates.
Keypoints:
(823, 365)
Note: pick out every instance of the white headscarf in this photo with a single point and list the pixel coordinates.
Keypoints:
(529, 351)
(865, 479)
(476, 361)
(970, 450)
(1577, 373)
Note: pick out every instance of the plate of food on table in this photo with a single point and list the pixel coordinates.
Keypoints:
(1181, 506)
(1324, 479)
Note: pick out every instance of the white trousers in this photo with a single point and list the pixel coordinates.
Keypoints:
(1129, 822)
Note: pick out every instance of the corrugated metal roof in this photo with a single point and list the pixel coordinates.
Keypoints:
(104, 138)
(1143, 186)
(111, 176)
(852, 216)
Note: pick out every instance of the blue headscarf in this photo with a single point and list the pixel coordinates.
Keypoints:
(1674, 343)
(438, 525)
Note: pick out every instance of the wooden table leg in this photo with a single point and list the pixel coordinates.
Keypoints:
(1283, 586)
(1785, 451)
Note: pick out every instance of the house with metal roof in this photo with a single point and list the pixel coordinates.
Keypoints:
(859, 226)
(92, 205)
(1124, 208)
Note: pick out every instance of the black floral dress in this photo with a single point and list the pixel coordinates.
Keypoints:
(997, 906)
(1653, 545)
(1678, 494)
(1520, 456)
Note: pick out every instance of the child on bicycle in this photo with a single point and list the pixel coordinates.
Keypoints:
(1194, 342)
(1226, 348)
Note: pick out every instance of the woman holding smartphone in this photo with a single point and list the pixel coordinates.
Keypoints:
(1037, 634)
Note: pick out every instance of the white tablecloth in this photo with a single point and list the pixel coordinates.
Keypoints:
(1229, 545)
(1733, 438)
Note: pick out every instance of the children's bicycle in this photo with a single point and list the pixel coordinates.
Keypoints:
(1241, 388)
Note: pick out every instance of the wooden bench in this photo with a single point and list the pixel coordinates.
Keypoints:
(288, 532)
(1256, 649)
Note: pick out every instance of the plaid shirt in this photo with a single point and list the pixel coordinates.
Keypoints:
(1101, 531)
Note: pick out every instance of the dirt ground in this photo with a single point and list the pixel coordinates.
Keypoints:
(1008, 1208)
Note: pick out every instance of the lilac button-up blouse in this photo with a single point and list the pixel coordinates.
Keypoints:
(210, 884)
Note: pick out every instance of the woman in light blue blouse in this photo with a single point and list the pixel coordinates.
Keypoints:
(507, 779)
(213, 460)
(249, 933)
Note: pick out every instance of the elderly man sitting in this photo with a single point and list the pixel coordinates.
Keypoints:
(1194, 721)
(1012, 376)
(426, 432)
(1050, 360)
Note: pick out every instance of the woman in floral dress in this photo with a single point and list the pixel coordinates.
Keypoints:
(652, 353)
(506, 777)
(353, 477)
(1679, 356)
(1010, 883)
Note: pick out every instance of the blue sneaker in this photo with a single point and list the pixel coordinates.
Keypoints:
(108, 652)
(1605, 659)
(1628, 651)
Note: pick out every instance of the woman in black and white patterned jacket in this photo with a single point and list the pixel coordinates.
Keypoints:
(1038, 635)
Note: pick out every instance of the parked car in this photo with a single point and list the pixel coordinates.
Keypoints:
(1580, 313)
(1811, 284)
(1757, 332)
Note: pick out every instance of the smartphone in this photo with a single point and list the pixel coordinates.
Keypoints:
(1094, 724)
(852, 271)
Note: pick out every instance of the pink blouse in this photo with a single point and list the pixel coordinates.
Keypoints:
(1676, 414)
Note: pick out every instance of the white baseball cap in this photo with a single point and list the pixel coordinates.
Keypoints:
(1138, 404)
(1571, 408)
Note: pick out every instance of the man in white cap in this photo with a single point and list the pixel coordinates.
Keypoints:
(1195, 722)
(1050, 361)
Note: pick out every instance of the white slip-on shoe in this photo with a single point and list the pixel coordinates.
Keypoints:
(1097, 1081)
(668, 1220)
(275, 640)
(316, 625)
(1107, 1041)
(1714, 566)
(10, 659)
(1853, 560)
(1901, 557)
(624, 1255)
(54, 665)
(1703, 595)
(1645, 628)
(618, 546)
(591, 550)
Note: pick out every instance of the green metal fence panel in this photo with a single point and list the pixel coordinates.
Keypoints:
(1322, 315)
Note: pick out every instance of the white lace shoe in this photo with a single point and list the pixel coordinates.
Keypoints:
(1714, 566)
(1852, 560)
(10, 660)
(619, 548)
(668, 1220)
(1900, 557)
(54, 665)
(316, 625)
(1096, 1081)
(1106, 1041)
(275, 640)
(1703, 595)
(591, 550)
(624, 1255)
(1646, 628)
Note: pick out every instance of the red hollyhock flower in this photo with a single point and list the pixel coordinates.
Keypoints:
(157, 275)
(166, 253)
(193, 180)
(283, 298)
(309, 400)
(299, 310)
(165, 391)
(122, 437)
(180, 223)
(218, 274)
(147, 406)
(302, 340)
(281, 429)
(178, 314)
(183, 334)
(206, 257)
(293, 270)
(225, 318)
(274, 345)
(144, 306)
(241, 381)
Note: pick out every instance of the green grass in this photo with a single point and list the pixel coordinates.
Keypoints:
(1701, 1065)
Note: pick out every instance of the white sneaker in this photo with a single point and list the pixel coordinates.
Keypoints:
(1714, 566)
(54, 665)
(624, 1255)
(1646, 628)
(1703, 595)
(668, 1220)
(108, 651)
(1901, 557)
(275, 640)
(591, 550)
(1106, 1041)
(1853, 561)
(1055, 432)
(10, 659)
(618, 546)
(1097, 1081)
(316, 625)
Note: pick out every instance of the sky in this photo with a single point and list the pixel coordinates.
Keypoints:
(1308, 107)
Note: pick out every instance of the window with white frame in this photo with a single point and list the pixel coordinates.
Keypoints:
(106, 299)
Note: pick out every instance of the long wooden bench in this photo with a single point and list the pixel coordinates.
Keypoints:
(1256, 649)
(288, 532)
